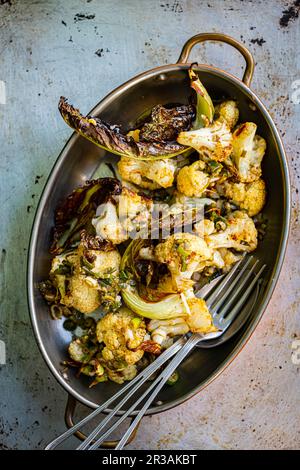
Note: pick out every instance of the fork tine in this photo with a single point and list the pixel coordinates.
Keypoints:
(225, 295)
(229, 319)
(211, 298)
(241, 281)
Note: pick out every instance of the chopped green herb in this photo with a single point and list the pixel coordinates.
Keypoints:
(65, 268)
(86, 263)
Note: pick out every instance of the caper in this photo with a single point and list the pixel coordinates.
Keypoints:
(69, 325)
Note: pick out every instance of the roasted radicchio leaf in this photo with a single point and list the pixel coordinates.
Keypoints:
(91, 242)
(111, 138)
(166, 123)
(76, 212)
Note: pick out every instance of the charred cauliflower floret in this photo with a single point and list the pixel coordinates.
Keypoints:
(108, 225)
(74, 287)
(248, 150)
(120, 376)
(213, 142)
(122, 334)
(81, 295)
(204, 227)
(81, 351)
(98, 262)
(248, 196)
(215, 262)
(192, 181)
(182, 253)
(148, 174)
(133, 210)
(229, 111)
(116, 220)
(77, 276)
(240, 234)
(228, 258)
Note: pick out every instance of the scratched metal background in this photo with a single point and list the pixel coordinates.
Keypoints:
(83, 49)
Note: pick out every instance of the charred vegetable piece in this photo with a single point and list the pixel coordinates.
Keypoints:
(173, 378)
(49, 291)
(151, 347)
(110, 137)
(81, 351)
(77, 211)
(166, 123)
(205, 107)
(170, 307)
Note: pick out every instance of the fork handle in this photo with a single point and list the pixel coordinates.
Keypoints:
(139, 379)
(69, 420)
(161, 380)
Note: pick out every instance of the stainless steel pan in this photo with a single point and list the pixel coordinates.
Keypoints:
(80, 159)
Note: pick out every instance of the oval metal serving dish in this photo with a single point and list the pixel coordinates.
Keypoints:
(80, 159)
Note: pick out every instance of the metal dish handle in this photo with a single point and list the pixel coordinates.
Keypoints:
(188, 46)
(69, 420)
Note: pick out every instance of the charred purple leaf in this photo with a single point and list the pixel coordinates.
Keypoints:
(75, 213)
(111, 138)
(166, 123)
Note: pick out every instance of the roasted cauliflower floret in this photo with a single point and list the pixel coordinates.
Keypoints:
(98, 262)
(248, 196)
(80, 351)
(182, 253)
(76, 276)
(108, 225)
(122, 333)
(105, 261)
(81, 295)
(229, 111)
(240, 234)
(248, 150)
(213, 142)
(116, 220)
(78, 292)
(192, 180)
(148, 174)
(133, 210)
(228, 258)
(120, 376)
(204, 227)
(216, 261)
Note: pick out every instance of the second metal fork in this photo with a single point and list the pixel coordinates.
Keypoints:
(224, 302)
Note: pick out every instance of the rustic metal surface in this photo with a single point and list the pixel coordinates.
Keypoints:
(83, 49)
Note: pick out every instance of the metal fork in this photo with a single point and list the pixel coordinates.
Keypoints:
(225, 299)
